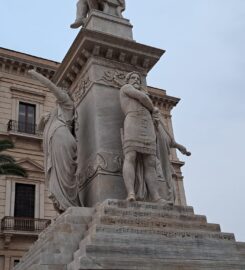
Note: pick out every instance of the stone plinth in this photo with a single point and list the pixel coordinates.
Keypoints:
(112, 25)
(88, 70)
(123, 235)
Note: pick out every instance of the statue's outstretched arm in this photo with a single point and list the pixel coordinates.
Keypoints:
(174, 144)
(60, 95)
(130, 91)
(181, 148)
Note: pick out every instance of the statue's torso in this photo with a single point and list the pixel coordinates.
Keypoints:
(139, 131)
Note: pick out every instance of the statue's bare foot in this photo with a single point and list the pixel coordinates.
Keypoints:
(131, 197)
(77, 23)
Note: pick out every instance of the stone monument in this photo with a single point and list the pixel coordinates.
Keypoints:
(105, 72)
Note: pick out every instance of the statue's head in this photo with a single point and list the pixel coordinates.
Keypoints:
(134, 78)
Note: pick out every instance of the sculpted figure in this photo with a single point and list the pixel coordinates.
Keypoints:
(113, 7)
(165, 170)
(146, 146)
(139, 141)
(59, 148)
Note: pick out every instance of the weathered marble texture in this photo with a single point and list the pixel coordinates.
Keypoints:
(134, 235)
(60, 149)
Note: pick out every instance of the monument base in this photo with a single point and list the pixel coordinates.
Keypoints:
(113, 25)
(122, 235)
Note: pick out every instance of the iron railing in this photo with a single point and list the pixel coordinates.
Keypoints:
(24, 224)
(22, 127)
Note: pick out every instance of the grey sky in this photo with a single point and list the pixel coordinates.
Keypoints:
(204, 65)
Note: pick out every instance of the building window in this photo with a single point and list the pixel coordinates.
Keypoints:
(27, 118)
(24, 208)
(16, 261)
(24, 201)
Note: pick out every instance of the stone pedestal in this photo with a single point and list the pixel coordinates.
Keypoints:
(112, 25)
(94, 61)
(122, 235)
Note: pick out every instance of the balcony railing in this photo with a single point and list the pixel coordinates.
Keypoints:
(24, 224)
(22, 127)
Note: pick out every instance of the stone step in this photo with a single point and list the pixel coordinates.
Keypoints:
(160, 223)
(134, 212)
(64, 234)
(51, 243)
(146, 206)
(156, 264)
(182, 251)
(146, 240)
(164, 233)
(48, 267)
(241, 249)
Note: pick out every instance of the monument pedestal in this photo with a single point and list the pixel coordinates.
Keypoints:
(92, 70)
(122, 235)
(117, 234)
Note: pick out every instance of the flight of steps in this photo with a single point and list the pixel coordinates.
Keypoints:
(123, 235)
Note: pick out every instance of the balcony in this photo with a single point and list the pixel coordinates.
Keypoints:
(31, 226)
(25, 129)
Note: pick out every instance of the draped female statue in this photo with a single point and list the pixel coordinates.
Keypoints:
(60, 148)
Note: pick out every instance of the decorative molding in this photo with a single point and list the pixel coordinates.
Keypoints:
(95, 44)
(35, 167)
(81, 90)
(114, 78)
(18, 66)
(103, 163)
(20, 92)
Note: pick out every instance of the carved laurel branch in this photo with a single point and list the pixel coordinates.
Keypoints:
(115, 78)
(103, 162)
(81, 89)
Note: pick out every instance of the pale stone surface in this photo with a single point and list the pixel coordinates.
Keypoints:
(139, 141)
(134, 235)
(116, 26)
(60, 148)
(111, 7)
(146, 146)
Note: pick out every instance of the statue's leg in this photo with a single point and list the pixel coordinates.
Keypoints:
(150, 176)
(82, 11)
(129, 174)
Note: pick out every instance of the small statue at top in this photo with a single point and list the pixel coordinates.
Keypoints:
(112, 7)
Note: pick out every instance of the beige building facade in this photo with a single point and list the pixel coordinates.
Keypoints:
(25, 209)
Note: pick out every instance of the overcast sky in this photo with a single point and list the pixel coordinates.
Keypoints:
(204, 65)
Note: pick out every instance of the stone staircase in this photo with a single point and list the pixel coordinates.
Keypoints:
(123, 235)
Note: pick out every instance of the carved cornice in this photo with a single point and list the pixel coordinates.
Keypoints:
(94, 44)
(161, 99)
(18, 92)
(19, 63)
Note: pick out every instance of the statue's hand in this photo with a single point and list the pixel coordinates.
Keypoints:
(184, 151)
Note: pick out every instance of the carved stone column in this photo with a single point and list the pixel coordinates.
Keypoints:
(88, 70)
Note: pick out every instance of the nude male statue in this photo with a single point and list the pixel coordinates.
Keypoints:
(139, 141)
(84, 7)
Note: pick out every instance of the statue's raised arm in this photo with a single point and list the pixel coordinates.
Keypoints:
(60, 149)
(60, 94)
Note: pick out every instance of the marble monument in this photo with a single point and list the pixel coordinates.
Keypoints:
(105, 72)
